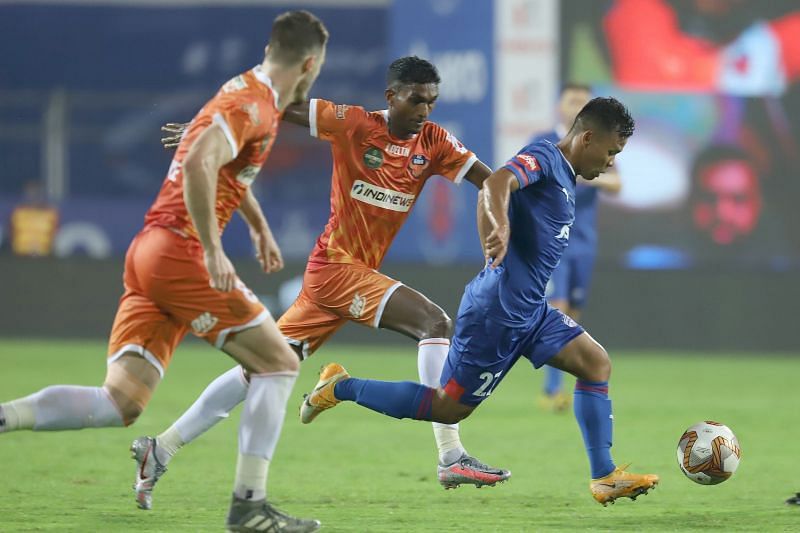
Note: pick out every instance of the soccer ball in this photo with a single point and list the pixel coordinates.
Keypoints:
(708, 453)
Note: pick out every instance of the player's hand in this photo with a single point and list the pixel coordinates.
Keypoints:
(175, 131)
(220, 271)
(497, 245)
(267, 250)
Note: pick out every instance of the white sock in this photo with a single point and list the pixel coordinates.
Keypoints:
(62, 407)
(251, 477)
(430, 361)
(214, 405)
(259, 430)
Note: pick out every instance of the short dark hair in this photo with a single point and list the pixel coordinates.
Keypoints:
(573, 86)
(411, 70)
(608, 114)
(295, 35)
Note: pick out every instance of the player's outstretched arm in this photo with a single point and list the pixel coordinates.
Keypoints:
(267, 251)
(200, 170)
(497, 190)
(297, 114)
(484, 226)
(478, 173)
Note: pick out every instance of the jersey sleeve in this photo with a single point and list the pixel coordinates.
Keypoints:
(326, 119)
(242, 120)
(451, 158)
(527, 167)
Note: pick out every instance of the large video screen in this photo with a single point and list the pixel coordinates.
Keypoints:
(711, 177)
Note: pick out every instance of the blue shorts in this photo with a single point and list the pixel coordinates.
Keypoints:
(483, 350)
(571, 279)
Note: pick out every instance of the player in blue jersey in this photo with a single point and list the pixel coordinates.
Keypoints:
(569, 283)
(529, 205)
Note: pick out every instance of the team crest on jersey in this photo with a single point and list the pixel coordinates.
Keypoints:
(529, 161)
(341, 111)
(234, 84)
(373, 158)
(418, 165)
(253, 112)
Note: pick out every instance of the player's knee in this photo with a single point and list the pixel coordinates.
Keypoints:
(130, 408)
(130, 383)
(445, 410)
(438, 324)
(451, 417)
(600, 364)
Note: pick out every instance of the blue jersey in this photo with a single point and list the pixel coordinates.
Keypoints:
(583, 237)
(541, 213)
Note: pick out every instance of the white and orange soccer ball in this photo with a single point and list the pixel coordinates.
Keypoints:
(708, 453)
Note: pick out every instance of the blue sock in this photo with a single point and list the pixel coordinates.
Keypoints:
(593, 412)
(400, 399)
(552, 380)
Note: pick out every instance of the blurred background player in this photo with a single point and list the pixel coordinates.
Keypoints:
(178, 278)
(569, 283)
(530, 204)
(381, 162)
(34, 223)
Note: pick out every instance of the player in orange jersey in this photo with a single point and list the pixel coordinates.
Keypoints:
(381, 162)
(178, 278)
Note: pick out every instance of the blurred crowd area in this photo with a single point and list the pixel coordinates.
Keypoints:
(709, 178)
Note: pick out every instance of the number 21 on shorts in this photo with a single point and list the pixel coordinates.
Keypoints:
(489, 382)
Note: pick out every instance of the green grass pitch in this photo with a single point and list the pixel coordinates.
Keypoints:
(361, 472)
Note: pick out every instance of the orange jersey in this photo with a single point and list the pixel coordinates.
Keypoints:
(376, 178)
(246, 110)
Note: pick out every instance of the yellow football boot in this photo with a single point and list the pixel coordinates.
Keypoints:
(621, 484)
(322, 397)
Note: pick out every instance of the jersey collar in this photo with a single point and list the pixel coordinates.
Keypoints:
(263, 78)
(564, 158)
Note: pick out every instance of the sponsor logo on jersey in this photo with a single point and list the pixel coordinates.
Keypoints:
(234, 84)
(357, 307)
(568, 321)
(457, 146)
(566, 193)
(564, 233)
(393, 149)
(380, 197)
(174, 170)
(253, 112)
(204, 323)
(529, 161)
(419, 159)
(248, 174)
(373, 158)
(341, 111)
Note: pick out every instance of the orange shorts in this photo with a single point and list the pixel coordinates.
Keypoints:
(167, 295)
(332, 295)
